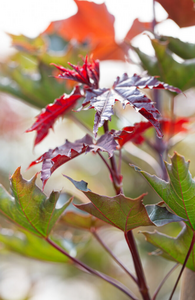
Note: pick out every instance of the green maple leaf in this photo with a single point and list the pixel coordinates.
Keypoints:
(122, 212)
(29, 207)
(179, 192)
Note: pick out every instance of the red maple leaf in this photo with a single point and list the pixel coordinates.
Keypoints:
(132, 134)
(87, 26)
(175, 126)
(47, 117)
(126, 90)
(180, 11)
(87, 74)
(53, 159)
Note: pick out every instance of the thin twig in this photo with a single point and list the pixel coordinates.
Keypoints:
(107, 165)
(110, 280)
(97, 237)
(163, 281)
(184, 264)
(119, 161)
(116, 178)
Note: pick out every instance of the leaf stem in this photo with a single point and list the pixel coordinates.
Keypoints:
(115, 176)
(160, 146)
(110, 280)
(184, 264)
(138, 265)
(97, 237)
(163, 281)
(120, 161)
(107, 165)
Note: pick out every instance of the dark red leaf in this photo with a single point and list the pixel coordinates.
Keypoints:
(126, 90)
(53, 159)
(47, 117)
(87, 74)
(133, 133)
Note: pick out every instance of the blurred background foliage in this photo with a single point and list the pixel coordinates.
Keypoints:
(27, 85)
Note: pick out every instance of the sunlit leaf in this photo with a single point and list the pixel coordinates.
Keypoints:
(47, 117)
(87, 74)
(133, 133)
(173, 248)
(126, 90)
(137, 28)
(27, 244)
(29, 207)
(87, 26)
(180, 11)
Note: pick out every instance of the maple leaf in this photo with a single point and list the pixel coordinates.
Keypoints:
(126, 90)
(180, 11)
(174, 126)
(87, 26)
(105, 143)
(53, 159)
(132, 133)
(137, 28)
(122, 212)
(47, 117)
(87, 74)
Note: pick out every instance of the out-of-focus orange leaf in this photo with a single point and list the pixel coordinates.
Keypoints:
(94, 24)
(180, 11)
(137, 28)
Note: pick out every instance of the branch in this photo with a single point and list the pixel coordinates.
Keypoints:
(110, 280)
(163, 281)
(138, 265)
(112, 255)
